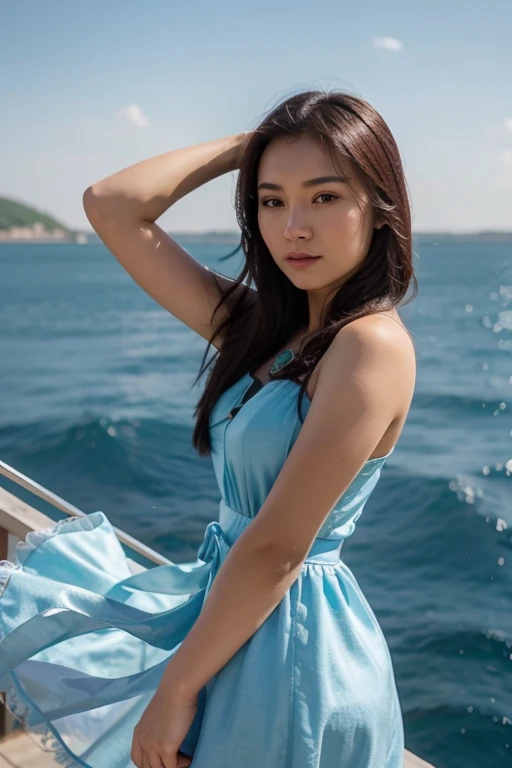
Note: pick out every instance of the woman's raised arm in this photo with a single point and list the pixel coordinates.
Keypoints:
(124, 207)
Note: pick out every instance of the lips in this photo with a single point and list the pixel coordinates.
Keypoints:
(300, 256)
(298, 261)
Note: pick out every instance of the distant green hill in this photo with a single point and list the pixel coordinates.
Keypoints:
(14, 214)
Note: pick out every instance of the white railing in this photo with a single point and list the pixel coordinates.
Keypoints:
(69, 509)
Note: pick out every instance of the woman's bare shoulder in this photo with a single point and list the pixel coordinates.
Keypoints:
(370, 345)
(375, 332)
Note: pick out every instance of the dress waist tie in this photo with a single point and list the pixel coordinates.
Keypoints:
(220, 536)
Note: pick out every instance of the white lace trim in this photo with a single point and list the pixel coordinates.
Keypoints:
(49, 743)
(21, 710)
(10, 698)
(34, 539)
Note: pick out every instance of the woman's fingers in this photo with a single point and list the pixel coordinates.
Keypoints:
(157, 761)
(152, 759)
(137, 754)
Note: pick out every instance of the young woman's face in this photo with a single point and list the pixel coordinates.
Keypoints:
(323, 219)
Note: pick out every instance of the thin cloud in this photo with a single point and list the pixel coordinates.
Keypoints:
(134, 115)
(501, 131)
(388, 43)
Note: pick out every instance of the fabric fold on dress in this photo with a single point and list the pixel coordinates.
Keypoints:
(61, 644)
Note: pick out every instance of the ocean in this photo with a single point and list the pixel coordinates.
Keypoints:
(96, 404)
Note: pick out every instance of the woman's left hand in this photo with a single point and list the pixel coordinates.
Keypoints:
(161, 730)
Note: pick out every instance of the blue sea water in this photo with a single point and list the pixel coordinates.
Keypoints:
(96, 404)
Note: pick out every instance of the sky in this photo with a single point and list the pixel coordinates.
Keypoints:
(89, 88)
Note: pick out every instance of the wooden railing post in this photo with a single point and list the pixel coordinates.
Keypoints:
(5, 716)
(4, 542)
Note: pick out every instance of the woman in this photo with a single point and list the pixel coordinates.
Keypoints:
(284, 665)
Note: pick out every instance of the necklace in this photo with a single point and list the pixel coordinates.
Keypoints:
(282, 360)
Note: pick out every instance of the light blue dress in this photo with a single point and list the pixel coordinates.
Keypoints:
(84, 642)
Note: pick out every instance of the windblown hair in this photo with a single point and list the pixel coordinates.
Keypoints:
(260, 323)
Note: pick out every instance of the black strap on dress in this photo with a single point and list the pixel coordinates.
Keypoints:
(255, 387)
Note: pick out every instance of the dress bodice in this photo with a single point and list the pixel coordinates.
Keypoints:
(249, 450)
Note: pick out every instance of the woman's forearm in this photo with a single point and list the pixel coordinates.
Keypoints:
(148, 188)
(249, 585)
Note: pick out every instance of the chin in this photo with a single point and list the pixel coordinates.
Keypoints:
(307, 283)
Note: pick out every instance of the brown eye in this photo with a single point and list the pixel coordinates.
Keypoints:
(266, 203)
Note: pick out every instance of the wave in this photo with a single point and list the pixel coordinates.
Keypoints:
(451, 735)
(143, 473)
(120, 440)
(431, 401)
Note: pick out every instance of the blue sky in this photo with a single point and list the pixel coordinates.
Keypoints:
(92, 87)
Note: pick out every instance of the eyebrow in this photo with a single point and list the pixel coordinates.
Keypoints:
(309, 183)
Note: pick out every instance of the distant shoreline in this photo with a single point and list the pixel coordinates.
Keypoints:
(232, 238)
(21, 223)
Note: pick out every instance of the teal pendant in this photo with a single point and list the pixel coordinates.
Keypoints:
(281, 360)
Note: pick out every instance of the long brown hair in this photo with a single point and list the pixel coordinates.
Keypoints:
(254, 331)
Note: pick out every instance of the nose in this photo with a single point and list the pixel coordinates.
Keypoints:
(297, 226)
